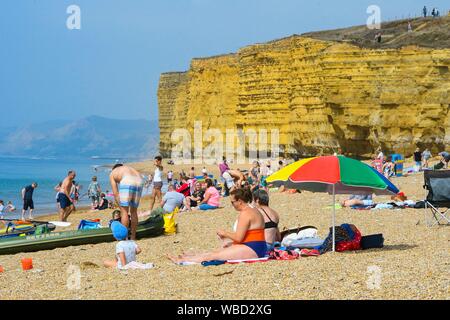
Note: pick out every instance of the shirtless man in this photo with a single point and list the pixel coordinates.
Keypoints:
(127, 185)
(64, 199)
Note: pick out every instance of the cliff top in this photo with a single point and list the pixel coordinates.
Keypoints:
(427, 32)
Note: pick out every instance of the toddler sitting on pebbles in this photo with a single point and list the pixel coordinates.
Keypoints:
(126, 250)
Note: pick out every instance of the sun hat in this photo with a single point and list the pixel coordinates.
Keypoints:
(119, 231)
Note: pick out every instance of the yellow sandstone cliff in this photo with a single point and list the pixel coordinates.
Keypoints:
(322, 95)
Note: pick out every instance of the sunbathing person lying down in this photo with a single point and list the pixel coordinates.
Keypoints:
(358, 200)
(247, 242)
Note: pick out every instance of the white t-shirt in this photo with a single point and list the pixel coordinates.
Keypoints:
(128, 247)
(204, 170)
(169, 175)
(2, 207)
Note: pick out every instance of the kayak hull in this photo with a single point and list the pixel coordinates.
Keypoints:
(151, 227)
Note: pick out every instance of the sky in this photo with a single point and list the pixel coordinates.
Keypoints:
(111, 66)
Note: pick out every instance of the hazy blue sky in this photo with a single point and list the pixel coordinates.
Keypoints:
(111, 66)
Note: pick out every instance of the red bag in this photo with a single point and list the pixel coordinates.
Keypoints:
(354, 244)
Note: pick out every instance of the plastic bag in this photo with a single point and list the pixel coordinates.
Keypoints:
(170, 226)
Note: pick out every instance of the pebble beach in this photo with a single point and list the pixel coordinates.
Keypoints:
(414, 263)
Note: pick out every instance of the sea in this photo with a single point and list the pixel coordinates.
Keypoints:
(18, 172)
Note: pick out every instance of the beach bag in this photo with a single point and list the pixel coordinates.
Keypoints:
(353, 244)
(372, 241)
(88, 225)
(170, 226)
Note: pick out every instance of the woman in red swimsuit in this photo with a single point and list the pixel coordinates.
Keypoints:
(247, 242)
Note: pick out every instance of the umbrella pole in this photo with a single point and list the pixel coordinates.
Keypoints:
(334, 217)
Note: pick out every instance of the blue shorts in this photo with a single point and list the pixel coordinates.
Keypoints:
(63, 200)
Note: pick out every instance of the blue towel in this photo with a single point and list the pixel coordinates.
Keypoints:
(213, 263)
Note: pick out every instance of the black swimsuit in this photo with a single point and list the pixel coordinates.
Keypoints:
(271, 223)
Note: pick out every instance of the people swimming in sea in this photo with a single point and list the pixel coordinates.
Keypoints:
(127, 184)
(247, 241)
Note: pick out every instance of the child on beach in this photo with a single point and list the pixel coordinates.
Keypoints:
(126, 250)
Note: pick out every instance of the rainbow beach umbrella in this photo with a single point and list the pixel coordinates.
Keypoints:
(334, 175)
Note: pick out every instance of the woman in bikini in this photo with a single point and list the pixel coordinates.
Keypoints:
(271, 217)
(247, 242)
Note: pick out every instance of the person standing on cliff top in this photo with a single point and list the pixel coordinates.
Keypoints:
(424, 10)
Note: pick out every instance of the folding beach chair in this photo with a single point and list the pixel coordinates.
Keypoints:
(438, 199)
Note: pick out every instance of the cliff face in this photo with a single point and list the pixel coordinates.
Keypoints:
(320, 95)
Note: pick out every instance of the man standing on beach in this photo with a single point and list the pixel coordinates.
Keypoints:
(127, 185)
(64, 200)
(157, 182)
(27, 197)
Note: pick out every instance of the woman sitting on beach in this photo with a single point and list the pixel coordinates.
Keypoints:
(211, 198)
(103, 203)
(246, 242)
(194, 199)
(271, 217)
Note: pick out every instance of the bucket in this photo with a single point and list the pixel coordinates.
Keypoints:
(1, 269)
(27, 263)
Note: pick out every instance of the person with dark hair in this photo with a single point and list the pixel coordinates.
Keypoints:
(64, 199)
(127, 184)
(103, 203)
(211, 198)
(196, 198)
(424, 10)
(247, 241)
(157, 183)
(271, 217)
(27, 197)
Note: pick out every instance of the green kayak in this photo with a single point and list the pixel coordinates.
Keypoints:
(153, 226)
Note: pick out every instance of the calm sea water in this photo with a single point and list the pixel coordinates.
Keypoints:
(15, 173)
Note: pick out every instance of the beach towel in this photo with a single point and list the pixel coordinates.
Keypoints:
(137, 266)
(362, 207)
(219, 262)
(283, 254)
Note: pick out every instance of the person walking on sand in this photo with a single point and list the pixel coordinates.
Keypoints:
(157, 182)
(127, 184)
(426, 155)
(94, 192)
(27, 197)
(64, 200)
